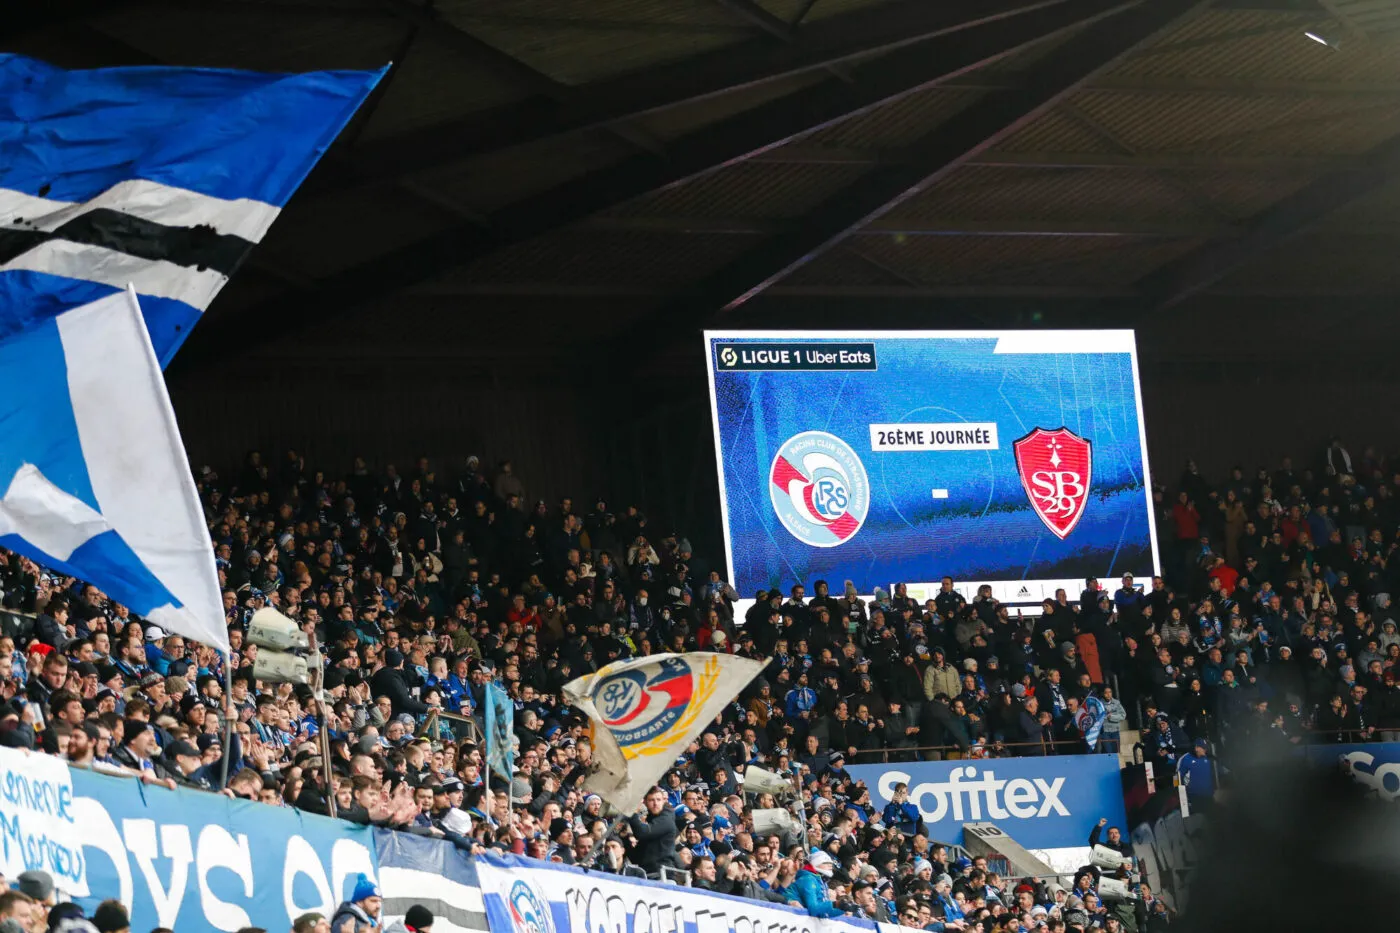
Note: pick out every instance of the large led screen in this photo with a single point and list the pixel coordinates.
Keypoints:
(1014, 458)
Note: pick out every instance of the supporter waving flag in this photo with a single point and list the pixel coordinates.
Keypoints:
(1097, 714)
(163, 178)
(94, 474)
(499, 713)
(644, 712)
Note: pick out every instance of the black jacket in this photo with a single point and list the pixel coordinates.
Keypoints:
(389, 682)
(654, 840)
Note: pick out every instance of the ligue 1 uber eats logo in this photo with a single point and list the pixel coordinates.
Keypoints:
(1055, 472)
(819, 489)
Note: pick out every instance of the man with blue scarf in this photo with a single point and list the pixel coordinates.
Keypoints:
(943, 896)
(800, 700)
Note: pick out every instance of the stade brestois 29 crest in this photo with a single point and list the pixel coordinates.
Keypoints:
(1011, 458)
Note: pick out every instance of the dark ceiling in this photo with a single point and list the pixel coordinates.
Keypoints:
(540, 177)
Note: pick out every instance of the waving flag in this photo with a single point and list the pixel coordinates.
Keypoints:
(163, 178)
(1098, 715)
(499, 714)
(94, 477)
(645, 711)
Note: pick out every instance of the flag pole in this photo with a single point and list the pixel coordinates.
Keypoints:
(597, 849)
(323, 736)
(228, 719)
(489, 802)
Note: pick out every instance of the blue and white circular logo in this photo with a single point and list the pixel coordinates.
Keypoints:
(819, 489)
(529, 912)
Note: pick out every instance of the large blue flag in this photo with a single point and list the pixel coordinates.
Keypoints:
(93, 477)
(163, 178)
(500, 730)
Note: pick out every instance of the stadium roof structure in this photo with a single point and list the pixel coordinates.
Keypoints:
(537, 176)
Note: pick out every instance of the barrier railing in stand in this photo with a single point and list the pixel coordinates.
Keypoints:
(876, 756)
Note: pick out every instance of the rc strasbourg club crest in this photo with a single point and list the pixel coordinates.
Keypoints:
(1055, 468)
(819, 489)
(639, 704)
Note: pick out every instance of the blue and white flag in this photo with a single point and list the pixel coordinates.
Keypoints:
(94, 477)
(1098, 715)
(163, 178)
(499, 713)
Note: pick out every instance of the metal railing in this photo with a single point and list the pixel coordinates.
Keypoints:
(956, 752)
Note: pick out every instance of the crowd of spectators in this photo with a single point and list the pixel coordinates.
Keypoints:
(1272, 620)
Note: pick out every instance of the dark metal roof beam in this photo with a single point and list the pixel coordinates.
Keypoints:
(434, 24)
(1296, 213)
(757, 16)
(1210, 86)
(772, 124)
(800, 154)
(966, 135)
(926, 226)
(823, 43)
(1271, 6)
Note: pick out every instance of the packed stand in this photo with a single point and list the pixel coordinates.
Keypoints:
(421, 588)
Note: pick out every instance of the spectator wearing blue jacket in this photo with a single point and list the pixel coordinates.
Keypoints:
(943, 895)
(800, 700)
(1127, 598)
(809, 887)
(902, 815)
(1197, 774)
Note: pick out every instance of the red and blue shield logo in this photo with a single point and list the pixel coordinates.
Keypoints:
(640, 704)
(1056, 469)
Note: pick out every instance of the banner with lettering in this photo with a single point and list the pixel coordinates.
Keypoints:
(431, 872)
(1373, 765)
(37, 825)
(529, 896)
(199, 862)
(1042, 803)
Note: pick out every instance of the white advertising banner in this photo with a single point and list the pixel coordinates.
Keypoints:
(529, 896)
(38, 827)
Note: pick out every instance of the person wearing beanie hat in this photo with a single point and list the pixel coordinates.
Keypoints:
(310, 923)
(361, 911)
(68, 917)
(389, 681)
(809, 887)
(419, 919)
(38, 885)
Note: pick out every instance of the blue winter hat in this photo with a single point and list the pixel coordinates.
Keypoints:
(364, 888)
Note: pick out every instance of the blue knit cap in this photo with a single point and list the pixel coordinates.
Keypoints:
(364, 887)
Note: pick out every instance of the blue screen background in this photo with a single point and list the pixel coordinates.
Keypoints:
(986, 528)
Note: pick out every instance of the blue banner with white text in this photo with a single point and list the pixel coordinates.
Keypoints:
(1042, 803)
(1374, 765)
(198, 862)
